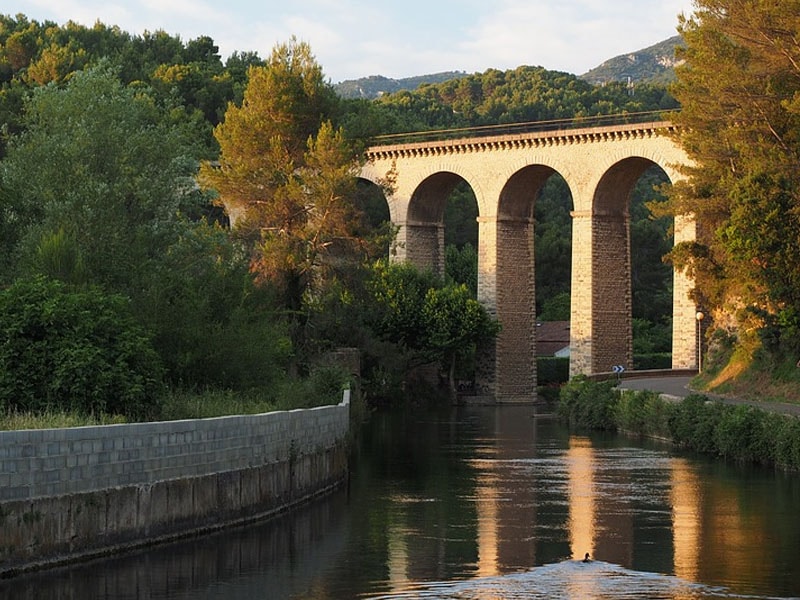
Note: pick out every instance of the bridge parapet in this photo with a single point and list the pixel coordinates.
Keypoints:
(609, 123)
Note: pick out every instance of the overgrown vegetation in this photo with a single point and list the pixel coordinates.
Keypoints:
(741, 432)
(105, 133)
(125, 294)
(79, 351)
(324, 386)
(739, 87)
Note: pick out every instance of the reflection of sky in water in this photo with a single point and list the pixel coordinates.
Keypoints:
(570, 580)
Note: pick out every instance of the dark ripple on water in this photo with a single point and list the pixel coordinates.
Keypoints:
(570, 580)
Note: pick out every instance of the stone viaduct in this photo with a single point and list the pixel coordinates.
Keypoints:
(600, 165)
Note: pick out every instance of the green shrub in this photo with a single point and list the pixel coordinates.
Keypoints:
(786, 433)
(67, 350)
(324, 385)
(657, 360)
(552, 370)
(692, 423)
(739, 432)
(210, 403)
(643, 413)
(588, 404)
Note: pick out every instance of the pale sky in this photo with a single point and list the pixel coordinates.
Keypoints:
(394, 38)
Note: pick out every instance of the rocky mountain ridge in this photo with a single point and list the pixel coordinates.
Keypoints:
(654, 64)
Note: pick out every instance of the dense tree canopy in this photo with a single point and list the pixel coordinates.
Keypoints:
(107, 167)
(35, 53)
(514, 96)
(740, 93)
(98, 191)
(433, 321)
(80, 350)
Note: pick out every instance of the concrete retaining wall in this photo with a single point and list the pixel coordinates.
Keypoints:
(72, 493)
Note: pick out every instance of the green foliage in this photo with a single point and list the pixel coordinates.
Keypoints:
(553, 254)
(455, 324)
(786, 433)
(643, 413)
(693, 423)
(323, 386)
(288, 176)
(743, 433)
(651, 241)
(212, 325)
(738, 432)
(74, 350)
(34, 54)
(102, 168)
(374, 86)
(58, 256)
(650, 338)
(588, 404)
(105, 196)
(181, 403)
(399, 291)
(14, 420)
(437, 323)
(556, 308)
(461, 266)
(514, 96)
(461, 217)
(740, 118)
(649, 361)
(551, 370)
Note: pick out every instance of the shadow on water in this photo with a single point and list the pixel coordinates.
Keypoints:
(279, 557)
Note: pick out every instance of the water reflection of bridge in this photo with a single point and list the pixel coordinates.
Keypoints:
(626, 506)
(506, 168)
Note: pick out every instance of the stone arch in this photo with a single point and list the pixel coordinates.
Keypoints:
(371, 198)
(507, 286)
(612, 296)
(424, 220)
(587, 158)
(669, 157)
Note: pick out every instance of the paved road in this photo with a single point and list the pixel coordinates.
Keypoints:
(679, 386)
(674, 386)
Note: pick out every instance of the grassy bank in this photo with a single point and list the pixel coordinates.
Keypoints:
(323, 387)
(735, 432)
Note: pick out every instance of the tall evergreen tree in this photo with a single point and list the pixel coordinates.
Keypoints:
(740, 123)
(285, 175)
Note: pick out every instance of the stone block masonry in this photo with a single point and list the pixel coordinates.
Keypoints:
(506, 171)
(67, 494)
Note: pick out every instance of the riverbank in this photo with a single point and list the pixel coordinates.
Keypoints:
(77, 493)
(736, 431)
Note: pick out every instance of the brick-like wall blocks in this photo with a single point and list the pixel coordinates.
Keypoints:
(600, 165)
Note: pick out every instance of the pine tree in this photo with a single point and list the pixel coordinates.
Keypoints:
(285, 175)
(739, 89)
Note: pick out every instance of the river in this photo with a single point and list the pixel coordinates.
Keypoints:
(485, 503)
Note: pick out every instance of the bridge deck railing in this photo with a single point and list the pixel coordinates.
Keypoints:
(521, 128)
